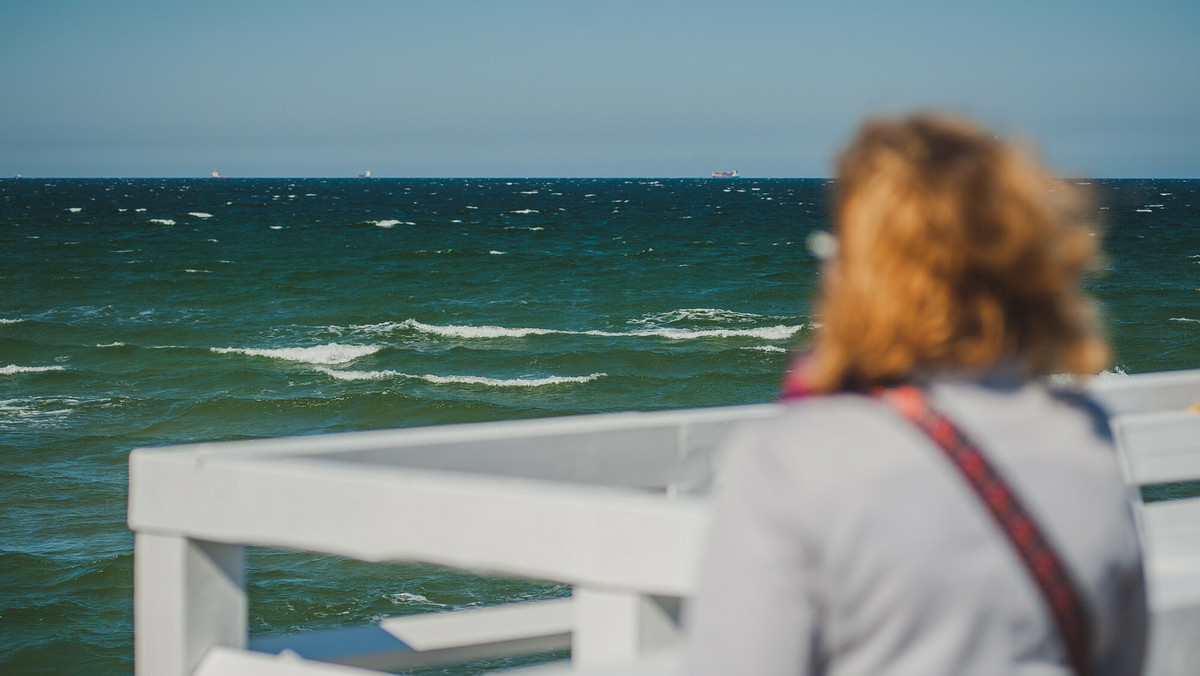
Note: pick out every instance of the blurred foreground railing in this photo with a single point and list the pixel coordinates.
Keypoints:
(613, 504)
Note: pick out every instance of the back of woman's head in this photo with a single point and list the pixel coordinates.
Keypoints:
(955, 253)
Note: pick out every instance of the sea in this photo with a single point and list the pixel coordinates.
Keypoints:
(149, 312)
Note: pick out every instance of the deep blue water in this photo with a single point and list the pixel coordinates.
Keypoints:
(151, 312)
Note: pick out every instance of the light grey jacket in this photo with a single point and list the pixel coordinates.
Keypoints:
(845, 544)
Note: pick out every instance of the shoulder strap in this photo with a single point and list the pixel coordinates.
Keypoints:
(1035, 551)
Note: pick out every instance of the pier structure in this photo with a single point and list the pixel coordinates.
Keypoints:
(615, 505)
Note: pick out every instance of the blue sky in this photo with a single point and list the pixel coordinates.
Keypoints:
(574, 88)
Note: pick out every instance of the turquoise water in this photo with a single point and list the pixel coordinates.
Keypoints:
(151, 312)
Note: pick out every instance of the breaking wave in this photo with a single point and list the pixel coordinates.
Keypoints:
(13, 369)
(461, 380)
(776, 332)
(330, 353)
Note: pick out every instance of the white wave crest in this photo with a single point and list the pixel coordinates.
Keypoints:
(772, 333)
(513, 382)
(461, 380)
(780, 332)
(456, 331)
(11, 321)
(116, 344)
(524, 211)
(329, 353)
(199, 214)
(362, 375)
(385, 224)
(13, 369)
(1185, 319)
(162, 221)
(766, 348)
(697, 314)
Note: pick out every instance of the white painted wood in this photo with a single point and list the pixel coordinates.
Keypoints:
(614, 504)
(1145, 392)
(220, 661)
(1171, 531)
(1174, 649)
(1160, 446)
(577, 534)
(187, 596)
(619, 627)
(431, 638)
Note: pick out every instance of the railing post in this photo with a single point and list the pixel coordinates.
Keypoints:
(614, 628)
(188, 596)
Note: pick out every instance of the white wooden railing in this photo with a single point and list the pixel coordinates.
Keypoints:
(613, 504)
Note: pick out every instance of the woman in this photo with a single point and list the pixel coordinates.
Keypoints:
(846, 541)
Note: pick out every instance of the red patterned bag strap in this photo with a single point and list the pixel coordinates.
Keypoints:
(1044, 564)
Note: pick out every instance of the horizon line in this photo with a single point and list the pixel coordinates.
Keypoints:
(21, 177)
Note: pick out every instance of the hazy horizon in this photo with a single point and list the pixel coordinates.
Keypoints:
(535, 88)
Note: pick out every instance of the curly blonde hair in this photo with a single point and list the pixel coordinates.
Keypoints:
(955, 252)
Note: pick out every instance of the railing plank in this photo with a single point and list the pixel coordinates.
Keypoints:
(187, 596)
(1160, 447)
(590, 535)
(220, 661)
(433, 638)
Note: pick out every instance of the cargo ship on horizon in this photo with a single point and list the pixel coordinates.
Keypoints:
(725, 174)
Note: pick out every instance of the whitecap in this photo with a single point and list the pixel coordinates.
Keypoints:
(765, 348)
(511, 382)
(524, 211)
(162, 221)
(199, 214)
(1145, 211)
(405, 598)
(361, 375)
(779, 332)
(770, 333)
(23, 412)
(13, 369)
(74, 210)
(329, 353)
(386, 224)
(195, 271)
(116, 344)
(456, 331)
(277, 227)
(11, 321)
(497, 253)
(529, 192)
(139, 210)
(461, 380)
(696, 314)
(1185, 319)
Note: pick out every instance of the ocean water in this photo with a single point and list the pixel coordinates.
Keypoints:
(151, 312)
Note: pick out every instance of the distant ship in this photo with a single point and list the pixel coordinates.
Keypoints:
(725, 174)
(216, 174)
(365, 174)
